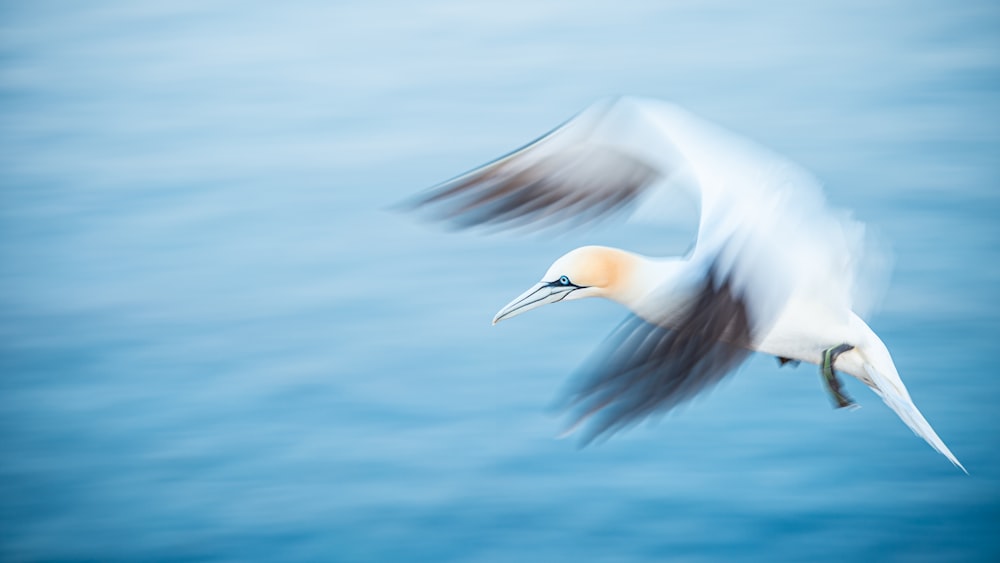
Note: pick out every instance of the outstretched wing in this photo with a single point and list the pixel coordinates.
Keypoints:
(586, 168)
(644, 368)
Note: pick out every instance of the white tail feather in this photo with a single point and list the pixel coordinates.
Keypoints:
(890, 387)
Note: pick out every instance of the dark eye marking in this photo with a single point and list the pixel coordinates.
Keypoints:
(563, 282)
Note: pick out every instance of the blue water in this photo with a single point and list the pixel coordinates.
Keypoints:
(218, 343)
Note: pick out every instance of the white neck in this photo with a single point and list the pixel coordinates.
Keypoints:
(653, 287)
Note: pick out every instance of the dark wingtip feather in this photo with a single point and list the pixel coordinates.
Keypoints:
(644, 369)
(570, 175)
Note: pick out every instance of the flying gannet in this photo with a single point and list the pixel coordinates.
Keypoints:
(774, 269)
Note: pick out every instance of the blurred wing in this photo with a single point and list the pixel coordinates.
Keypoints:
(589, 167)
(645, 369)
(765, 225)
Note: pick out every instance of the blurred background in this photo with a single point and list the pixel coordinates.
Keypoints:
(217, 342)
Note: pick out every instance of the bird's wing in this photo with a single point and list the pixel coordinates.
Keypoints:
(645, 368)
(763, 225)
(588, 167)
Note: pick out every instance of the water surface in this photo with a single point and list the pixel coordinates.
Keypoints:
(216, 343)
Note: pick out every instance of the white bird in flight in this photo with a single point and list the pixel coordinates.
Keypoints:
(774, 269)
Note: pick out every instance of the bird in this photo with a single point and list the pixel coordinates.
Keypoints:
(774, 268)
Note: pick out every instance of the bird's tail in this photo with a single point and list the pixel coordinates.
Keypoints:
(886, 382)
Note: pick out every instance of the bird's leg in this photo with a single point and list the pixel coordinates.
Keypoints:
(830, 378)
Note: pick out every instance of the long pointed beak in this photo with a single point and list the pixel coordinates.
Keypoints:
(536, 296)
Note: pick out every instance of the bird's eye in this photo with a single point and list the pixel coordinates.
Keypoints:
(564, 280)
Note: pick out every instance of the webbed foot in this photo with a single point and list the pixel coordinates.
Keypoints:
(830, 378)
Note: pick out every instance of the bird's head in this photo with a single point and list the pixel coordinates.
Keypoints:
(589, 271)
